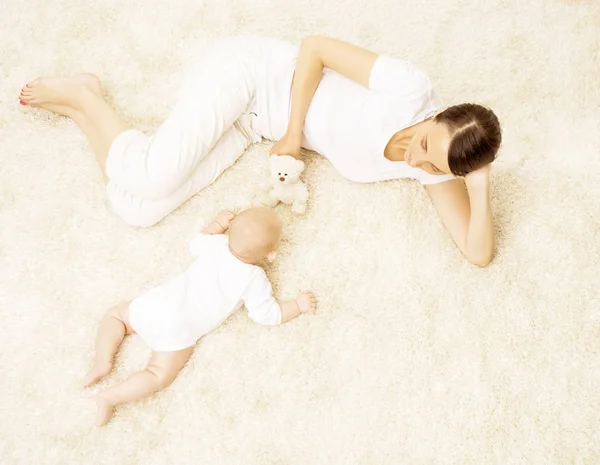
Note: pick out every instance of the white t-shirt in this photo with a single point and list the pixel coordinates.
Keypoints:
(347, 123)
(175, 315)
(351, 124)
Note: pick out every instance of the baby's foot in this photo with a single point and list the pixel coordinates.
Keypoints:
(59, 94)
(105, 410)
(97, 372)
(307, 302)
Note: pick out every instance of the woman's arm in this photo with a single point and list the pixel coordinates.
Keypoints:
(316, 53)
(467, 215)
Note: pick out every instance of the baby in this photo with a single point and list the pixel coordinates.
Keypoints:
(172, 317)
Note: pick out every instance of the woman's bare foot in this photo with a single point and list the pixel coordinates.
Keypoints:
(105, 410)
(61, 94)
(97, 372)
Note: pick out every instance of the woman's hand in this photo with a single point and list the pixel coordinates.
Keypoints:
(289, 144)
(479, 178)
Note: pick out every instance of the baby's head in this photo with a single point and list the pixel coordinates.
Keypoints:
(254, 235)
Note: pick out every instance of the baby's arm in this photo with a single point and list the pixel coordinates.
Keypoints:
(264, 309)
(220, 224)
(304, 303)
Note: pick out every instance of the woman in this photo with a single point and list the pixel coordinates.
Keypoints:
(374, 117)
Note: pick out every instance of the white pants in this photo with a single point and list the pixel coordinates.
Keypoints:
(210, 127)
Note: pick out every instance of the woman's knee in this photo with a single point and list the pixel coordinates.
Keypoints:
(133, 210)
(143, 166)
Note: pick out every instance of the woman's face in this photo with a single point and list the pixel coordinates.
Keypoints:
(428, 149)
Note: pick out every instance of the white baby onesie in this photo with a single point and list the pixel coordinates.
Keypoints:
(174, 315)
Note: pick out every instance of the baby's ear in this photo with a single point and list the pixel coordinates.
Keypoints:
(272, 256)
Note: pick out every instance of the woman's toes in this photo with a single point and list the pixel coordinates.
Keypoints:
(33, 84)
(26, 93)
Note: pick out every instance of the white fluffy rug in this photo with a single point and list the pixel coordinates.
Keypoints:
(415, 356)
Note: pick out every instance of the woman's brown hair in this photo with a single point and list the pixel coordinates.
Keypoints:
(476, 136)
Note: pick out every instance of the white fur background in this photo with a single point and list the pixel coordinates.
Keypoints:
(415, 356)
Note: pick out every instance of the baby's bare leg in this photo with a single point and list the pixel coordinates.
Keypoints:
(161, 371)
(111, 331)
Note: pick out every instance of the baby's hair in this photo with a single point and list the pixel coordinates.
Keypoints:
(255, 233)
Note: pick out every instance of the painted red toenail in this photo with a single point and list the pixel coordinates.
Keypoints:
(22, 102)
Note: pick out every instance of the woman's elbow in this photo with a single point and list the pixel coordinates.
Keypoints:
(314, 43)
(310, 40)
(481, 260)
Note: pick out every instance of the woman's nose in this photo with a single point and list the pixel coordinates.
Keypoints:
(417, 157)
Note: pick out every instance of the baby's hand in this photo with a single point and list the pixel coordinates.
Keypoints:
(307, 302)
(224, 219)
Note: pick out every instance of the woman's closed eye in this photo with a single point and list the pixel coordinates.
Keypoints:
(434, 168)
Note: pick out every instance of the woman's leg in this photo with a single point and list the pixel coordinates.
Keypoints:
(79, 98)
(144, 212)
(213, 98)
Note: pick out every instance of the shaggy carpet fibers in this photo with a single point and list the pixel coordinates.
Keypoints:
(415, 356)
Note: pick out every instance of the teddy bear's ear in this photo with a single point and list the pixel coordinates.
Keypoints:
(300, 164)
(272, 158)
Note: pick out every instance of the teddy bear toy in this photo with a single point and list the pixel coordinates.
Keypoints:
(285, 184)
